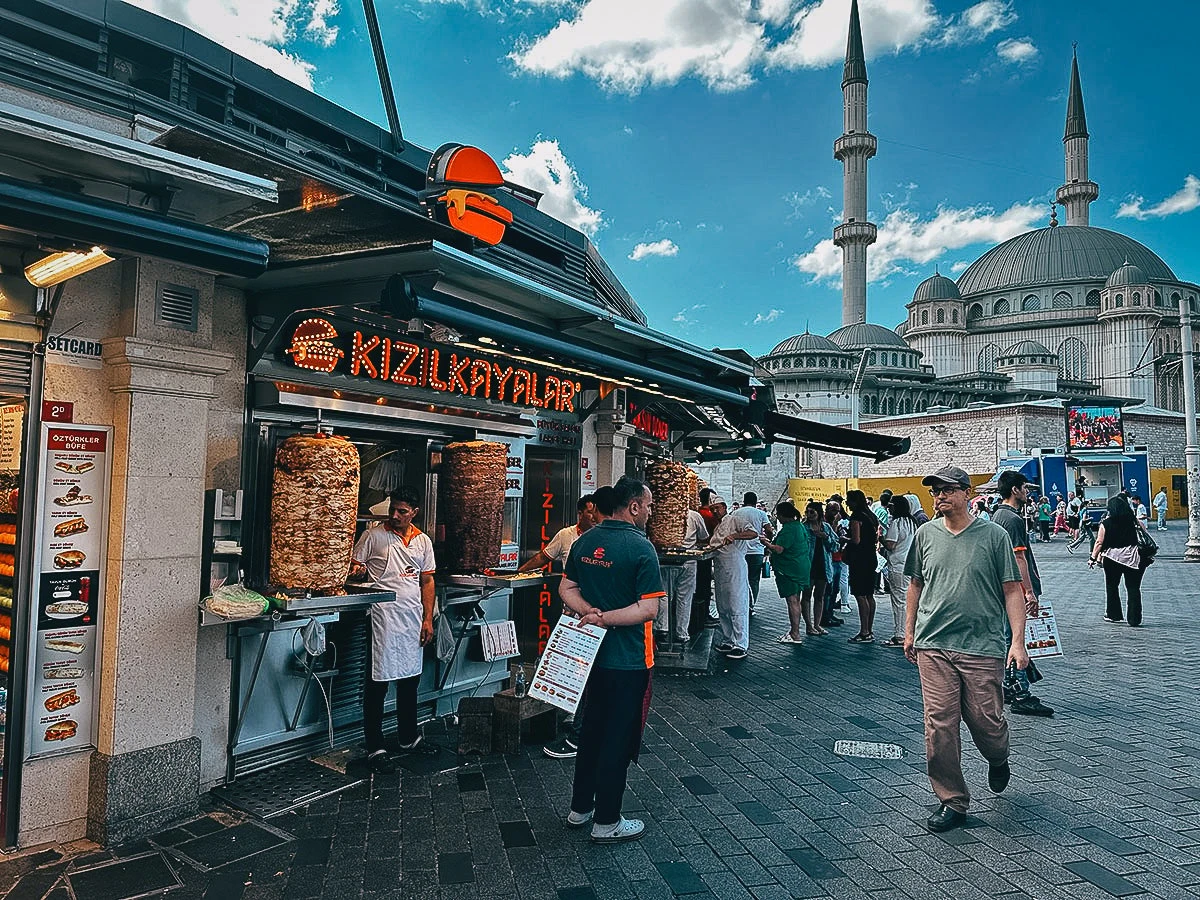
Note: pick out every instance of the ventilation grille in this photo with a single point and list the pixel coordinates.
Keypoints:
(16, 367)
(176, 306)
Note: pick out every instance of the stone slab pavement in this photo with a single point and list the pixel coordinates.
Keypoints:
(744, 798)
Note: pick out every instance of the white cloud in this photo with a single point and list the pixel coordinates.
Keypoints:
(818, 37)
(1017, 50)
(684, 319)
(1183, 200)
(767, 317)
(544, 168)
(259, 30)
(976, 22)
(960, 266)
(626, 45)
(903, 237)
(665, 247)
(797, 201)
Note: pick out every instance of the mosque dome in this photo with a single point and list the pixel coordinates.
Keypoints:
(806, 343)
(936, 287)
(864, 335)
(1126, 275)
(1027, 348)
(1054, 255)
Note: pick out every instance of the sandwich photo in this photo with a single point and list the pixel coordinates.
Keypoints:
(84, 467)
(64, 467)
(66, 609)
(70, 526)
(69, 559)
(62, 731)
(61, 645)
(73, 497)
(62, 700)
(62, 673)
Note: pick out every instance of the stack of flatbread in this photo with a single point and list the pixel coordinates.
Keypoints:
(314, 504)
(472, 484)
(668, 482)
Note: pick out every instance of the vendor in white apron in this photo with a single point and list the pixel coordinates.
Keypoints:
(731, 580)
(398, 557)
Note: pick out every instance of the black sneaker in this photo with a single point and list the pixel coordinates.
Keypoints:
(563, 749)
(1030, 706)
(998, 776)
(945, 819)
(737, 653)
(380, 763)
(419, 747)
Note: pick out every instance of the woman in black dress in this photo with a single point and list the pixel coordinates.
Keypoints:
(861, 556)
(1116, 545)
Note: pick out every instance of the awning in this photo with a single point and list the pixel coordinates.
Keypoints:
(779, 428)
(83, 220)
(1026, 465)
(1094, 458)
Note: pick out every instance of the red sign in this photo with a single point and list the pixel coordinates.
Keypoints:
(316, 345)
(649, 424)
(58, 411)
(78, 440)
(458, 184)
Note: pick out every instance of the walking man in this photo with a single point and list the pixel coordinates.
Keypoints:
(612, 580)
(754, 549)
(964, 582)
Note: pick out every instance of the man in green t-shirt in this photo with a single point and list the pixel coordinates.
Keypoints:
(612, 579)
(964, 583)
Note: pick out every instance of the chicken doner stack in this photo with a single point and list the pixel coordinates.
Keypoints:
(473, 481)
(314, 504)
(668, 481)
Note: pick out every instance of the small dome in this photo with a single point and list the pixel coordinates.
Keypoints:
(936, 287)
(1126, 275)
(806, 343)
(864, 335)
(1026, 348)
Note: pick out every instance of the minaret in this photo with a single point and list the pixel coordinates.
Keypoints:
(853, 149)
(1077, 192)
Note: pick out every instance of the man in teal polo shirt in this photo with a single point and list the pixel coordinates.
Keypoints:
(964, 583)
(612, 580)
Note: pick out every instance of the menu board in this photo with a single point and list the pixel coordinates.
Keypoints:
(563, 670)
(71, 546)
(1041, 633)
(12, 416)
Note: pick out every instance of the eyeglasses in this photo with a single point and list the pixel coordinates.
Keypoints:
(938, 491)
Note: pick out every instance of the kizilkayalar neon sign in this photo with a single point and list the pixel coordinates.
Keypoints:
(316, 345)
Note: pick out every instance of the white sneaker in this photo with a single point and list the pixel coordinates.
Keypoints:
(623, 830)
(578, 820)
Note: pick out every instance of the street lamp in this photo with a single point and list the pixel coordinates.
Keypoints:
(1191, 451)
(855, 387)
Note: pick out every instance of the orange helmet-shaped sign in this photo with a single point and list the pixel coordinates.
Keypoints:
(459, 182)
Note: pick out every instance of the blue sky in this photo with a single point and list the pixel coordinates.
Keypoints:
(692, 139)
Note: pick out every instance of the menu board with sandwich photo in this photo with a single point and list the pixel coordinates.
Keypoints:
(72, 523)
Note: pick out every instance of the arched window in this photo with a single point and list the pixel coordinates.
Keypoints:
(895, 361)
(1137, 298)
(1001, 308)
(1160, 347)
(1031, 302)
(954, 315)
(871, 359)
(1072, 360)
(1093, 298)
(1175, 300)
(822, 362)
(810, 363)
(940, 316)
(1062, 300)
(988, 356)
(1119, 300)
(974, 311)
(1158, 299)
(924, 317)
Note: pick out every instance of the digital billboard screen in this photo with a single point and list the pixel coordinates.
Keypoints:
(1094, 428)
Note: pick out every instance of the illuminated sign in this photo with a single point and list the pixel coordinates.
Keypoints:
(316, 345)
(1094, 428)
(649, 424)
(458, 185)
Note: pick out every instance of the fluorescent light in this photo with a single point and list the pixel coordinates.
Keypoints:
(58, 267)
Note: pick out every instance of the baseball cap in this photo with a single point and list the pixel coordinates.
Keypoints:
(948, 475)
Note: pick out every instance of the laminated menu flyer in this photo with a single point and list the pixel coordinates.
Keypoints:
(73, 501)
(1041, 634)
(566, 663)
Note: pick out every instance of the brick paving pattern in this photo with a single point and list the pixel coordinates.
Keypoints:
(745, 800)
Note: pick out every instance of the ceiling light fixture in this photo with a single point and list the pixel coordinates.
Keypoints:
(58, 267)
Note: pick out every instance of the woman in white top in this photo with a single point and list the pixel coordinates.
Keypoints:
(897, 541)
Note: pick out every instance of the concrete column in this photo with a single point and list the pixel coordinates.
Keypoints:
(612, 440)
(146, 769)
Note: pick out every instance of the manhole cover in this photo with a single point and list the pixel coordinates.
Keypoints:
(868, 750)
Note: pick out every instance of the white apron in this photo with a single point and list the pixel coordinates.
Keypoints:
(396, 650)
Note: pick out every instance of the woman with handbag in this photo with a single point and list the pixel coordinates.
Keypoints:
(1117, 546)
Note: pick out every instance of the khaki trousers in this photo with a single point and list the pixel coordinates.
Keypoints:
(960, 687)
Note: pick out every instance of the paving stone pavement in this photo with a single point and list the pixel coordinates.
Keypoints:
(744, 798)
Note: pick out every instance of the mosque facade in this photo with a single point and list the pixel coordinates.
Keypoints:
(1064, 311)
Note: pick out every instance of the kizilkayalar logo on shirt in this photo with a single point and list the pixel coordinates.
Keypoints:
(597, 559)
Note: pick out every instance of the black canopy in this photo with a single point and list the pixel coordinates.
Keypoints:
(779, 428)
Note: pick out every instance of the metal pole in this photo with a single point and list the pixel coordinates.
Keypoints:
(1191, 450)
(855, 387)
(385, 79)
